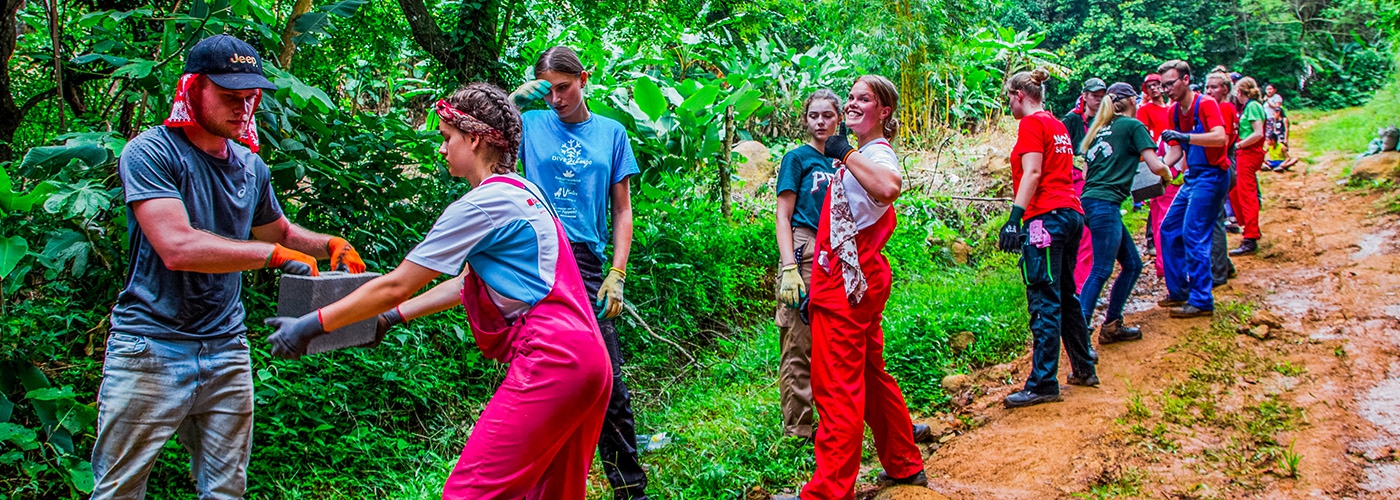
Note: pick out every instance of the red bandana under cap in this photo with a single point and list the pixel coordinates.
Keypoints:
(180, 115)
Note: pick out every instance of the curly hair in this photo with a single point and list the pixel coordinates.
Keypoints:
(492, 106)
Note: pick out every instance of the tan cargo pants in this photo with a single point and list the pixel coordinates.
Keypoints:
(795, 344)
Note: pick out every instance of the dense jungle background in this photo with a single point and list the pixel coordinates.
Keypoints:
(345, 138)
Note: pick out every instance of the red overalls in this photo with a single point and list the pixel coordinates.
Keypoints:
(536, 437)
(849, 381)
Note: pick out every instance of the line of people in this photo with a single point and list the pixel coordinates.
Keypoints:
(527, 254)
(1192, 142)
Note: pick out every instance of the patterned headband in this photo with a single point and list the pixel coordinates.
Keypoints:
(469, 124)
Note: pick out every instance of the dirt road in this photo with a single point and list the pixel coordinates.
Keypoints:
(1197, 409)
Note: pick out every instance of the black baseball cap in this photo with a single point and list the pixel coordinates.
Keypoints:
(228, 62)
(1094, 85)
(1122, 90)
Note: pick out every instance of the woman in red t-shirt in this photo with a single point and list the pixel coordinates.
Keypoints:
(1041, 164)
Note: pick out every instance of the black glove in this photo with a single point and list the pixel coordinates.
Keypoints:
(1180, 138)
(1009, 239)
(294, 334)
(838, 147)
(386, 321)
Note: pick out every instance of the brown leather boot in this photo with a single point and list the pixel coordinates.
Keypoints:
(1114, 331)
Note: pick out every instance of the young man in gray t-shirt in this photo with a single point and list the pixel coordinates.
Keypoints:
(200, 210)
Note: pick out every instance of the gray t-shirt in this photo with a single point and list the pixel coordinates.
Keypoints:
(226, 197)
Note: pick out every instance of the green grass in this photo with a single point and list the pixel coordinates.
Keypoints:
(1350, 130)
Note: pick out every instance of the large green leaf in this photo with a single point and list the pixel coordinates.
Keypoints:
(701, 99)
(85, 199)
(649, 98)
(21, 202)
(11, 251)
(66, 246)
(41, 162)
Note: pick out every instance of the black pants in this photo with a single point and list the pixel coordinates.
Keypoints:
(617, 447)
(1054, 308)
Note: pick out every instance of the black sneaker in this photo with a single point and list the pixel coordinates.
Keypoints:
(1247, 247)
(1115, 332)
(923, 433)
(1190, 311)
(1170, 302)
(1028, 398)
(1233, 228)
(919, 479)
(1090, 381)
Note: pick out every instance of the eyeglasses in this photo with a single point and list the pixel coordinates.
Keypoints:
(1169, 83)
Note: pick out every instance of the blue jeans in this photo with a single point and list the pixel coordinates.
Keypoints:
(1187, 235)
(198, 390)
(1051, 300)
(1111, 242)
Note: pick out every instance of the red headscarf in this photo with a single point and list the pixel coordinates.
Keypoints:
(180, 115)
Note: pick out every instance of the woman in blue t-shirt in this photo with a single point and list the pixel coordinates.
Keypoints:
(582, 161)
(803, 179)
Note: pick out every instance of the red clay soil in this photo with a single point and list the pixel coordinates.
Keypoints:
(1328, 267)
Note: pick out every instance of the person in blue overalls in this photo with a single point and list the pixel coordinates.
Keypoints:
(1198, 134)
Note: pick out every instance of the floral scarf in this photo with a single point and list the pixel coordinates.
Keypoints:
(843, 240)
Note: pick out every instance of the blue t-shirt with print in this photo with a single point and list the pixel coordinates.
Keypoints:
(576, 164)
(808, 173)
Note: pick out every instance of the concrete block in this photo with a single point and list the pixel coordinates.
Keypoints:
(298, 295)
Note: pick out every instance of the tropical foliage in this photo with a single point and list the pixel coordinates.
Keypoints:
(352, 153)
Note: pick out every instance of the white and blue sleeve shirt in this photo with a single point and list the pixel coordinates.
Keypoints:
(508, 238)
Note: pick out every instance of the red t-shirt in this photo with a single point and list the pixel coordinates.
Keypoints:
(1232, 122)
(1210, 118)
(1157, 117)
(1042, 133)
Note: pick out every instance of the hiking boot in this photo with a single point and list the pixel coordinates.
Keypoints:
(1090, 381)
(1170, 302)
(923, 433)
(1190, 311)
(1247, 247)
(1028, 398)
(919, 479)
(1114, 331)
(1233, 228)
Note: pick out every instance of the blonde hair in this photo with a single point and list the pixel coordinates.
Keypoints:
(1126, 106)
(1031, 83)
(1248, 88)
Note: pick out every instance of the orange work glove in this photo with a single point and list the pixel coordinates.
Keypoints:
(291, 261)
(343, 256)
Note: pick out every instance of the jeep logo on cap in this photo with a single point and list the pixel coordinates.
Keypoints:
(237, 59)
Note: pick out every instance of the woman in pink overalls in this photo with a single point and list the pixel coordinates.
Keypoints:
(526, 304)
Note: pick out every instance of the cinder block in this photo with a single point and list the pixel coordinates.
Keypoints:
(1146, 185)
(298, 295)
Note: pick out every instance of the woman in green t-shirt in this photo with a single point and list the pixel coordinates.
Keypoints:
(1113, 147)
(1249, 157)
(803, 179)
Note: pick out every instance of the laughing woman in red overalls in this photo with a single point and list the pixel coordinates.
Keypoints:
(850, 285)
(526, 303)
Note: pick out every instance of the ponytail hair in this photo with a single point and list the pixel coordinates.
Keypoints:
(888, 95)
(1122, 106)
(1248, 89)
(1031, 83)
